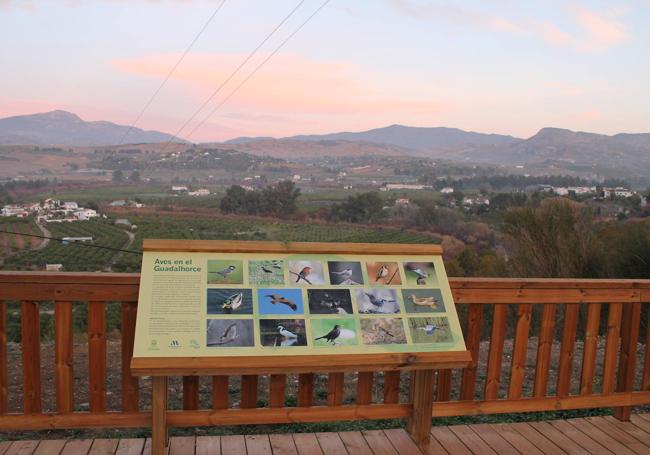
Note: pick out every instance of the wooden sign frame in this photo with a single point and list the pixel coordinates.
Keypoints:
(423, 363)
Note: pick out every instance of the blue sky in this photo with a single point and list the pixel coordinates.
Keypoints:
(501, 66)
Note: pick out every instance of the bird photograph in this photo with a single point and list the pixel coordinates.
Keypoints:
(230, 301)
(225, 272)
(383, 273)
(430, 330)
(382, 331)
(280, 301)
(334, 332)
(306, 273)
(266, 273)
(329, 301)
(377, 301)
(229, 332)
(283, 332)
(420, 273)
(423, 301)
(345, 273)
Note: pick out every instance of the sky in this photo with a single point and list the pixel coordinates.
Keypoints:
(500, 66)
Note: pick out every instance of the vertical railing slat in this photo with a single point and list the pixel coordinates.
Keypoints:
(497, 338)
(190, 393)
(31, 345)
(645, 380)
(611, 347)
(63, 356)
(473, 342)
(627, 359)
(518, 364)
(130, 383)
(335, 389)
(305, 389)
(567, 349)
(364, 387)
(544, 349)
(220, 392)
(391, 386)
(3, 358)
(443, 385)
(249, 391)
(277, 388)
(97, 356)
(590, 349)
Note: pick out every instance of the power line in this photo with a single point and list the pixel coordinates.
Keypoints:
(74, 243)
(162, 84)
(275, 51)
(228, 79)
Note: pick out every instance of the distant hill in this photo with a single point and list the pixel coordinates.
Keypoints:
(65, 128)
(556, 146)
(418, 138)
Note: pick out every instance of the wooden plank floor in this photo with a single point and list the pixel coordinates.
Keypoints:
(591, 435)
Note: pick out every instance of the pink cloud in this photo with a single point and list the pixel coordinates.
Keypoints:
(589, 31)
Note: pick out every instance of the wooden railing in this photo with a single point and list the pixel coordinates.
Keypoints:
(537, 345)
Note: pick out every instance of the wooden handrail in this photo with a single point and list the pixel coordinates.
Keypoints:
(611, 310)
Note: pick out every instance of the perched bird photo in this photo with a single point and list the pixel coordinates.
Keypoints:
(303, 274)
(283, 332)
(227, 271)
(229, 333)
(332, 335)
(280, 299)
(345, 273)
(382, 272)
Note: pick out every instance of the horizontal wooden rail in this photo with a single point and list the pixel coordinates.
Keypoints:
(569, 326)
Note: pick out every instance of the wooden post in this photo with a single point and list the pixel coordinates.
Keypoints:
(159, 415)
(419, 424)
(627, 358)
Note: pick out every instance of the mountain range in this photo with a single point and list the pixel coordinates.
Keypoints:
(554, 149)
(61, 128)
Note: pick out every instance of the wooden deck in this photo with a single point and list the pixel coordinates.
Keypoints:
(591, 435)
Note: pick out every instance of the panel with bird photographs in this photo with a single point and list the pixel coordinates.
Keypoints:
(430, 330)
(225, 272)
(334, 332)
(423, 301)
(280, 301)
(382, 331)
(329, 301)
(230, 301)
(266, 273)
(420, 274)
(230, 333)
(283, 332)
(383, 273)
(306, 273)
(376, 301)
(345, 273)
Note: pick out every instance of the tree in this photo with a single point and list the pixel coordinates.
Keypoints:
(553, 240)
(118, 175)
(135, 176)
(362, 208)
(281, 199)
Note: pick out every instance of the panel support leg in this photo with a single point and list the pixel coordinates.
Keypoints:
(419, 424)
(159, 415)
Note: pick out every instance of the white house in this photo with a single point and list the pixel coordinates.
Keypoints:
(85, 214)
(200, 192)
(14, 210)
(402, 201)
(447, 190)
(70, 205)
(405, 186)
(179, 188)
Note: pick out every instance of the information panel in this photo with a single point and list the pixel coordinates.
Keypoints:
(250, 304)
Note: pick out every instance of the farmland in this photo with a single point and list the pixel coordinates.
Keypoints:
(74, 257)
(10, 244)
